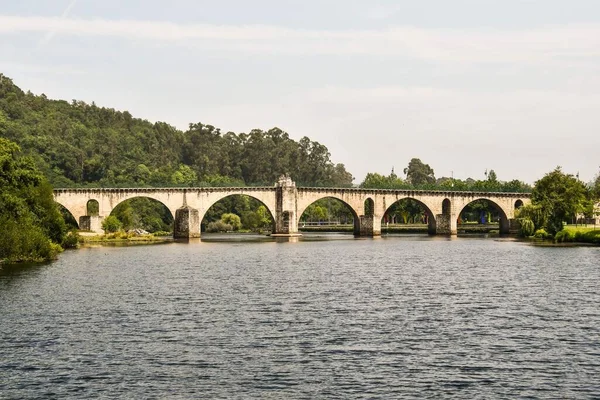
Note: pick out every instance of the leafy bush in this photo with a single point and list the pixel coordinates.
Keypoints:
(71, 240)
(232, 220)
(542, 234)
(535, 214)
(565, 236)
(218, 226)
(111, 224)
(526, 227)
(23, 241)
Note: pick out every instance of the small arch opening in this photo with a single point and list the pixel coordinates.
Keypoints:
(92, 208)
(518, 204)
(369, 207)
(446, 207)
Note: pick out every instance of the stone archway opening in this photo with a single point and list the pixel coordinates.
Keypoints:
(408, 215)
(144, 214)
(92, 208)
(518, 204)
(446, 207)
(329, 215)
(482, 215)
(238, 213)
(369, 207)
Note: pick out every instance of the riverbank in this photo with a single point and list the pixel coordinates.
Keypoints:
(578, 234)
(121, 237)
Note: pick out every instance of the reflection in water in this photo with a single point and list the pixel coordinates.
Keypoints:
(328, 316)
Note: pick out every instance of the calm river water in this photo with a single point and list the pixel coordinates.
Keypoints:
(395, 317)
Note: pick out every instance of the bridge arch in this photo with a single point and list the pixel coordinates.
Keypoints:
(255, 196)
(68, 216)
(169, 218)
(355, 217)
(430, 216)
(504, 223)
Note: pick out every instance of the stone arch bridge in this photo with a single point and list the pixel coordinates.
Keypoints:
(286, 203)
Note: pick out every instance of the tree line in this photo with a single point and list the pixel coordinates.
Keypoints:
(78, 144)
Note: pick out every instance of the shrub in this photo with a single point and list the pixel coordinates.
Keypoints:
(232, 220)
(542, 234)
(526, 227)
(111, 224)
(218, 226)
(565, 236)
(71, 240)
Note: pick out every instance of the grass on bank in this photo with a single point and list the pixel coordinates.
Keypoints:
(125, 237)
(578, 234)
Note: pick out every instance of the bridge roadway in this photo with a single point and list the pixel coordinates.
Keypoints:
(286, 203)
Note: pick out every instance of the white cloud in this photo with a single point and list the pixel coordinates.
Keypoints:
(567, 44)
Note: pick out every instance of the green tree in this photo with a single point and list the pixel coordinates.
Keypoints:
(233, 220)
(561, 196)
(378, 181)
(111, 224)
(184, 176)
(32, 225)
(595, 188)
(418, 173)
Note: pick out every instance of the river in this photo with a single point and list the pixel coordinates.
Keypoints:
(323, 317)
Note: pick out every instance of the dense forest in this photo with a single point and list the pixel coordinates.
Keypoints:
(78, 144)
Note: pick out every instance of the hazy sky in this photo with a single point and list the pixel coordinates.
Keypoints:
(465, 85)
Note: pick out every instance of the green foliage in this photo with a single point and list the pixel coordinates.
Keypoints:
(595, 189)
(377, 181)
(526, 227)
(32, 227)
(535, 213)
(144, 213)
(111, 224)
(561, 196)
(257, 221)
(418, 173)
(77, 144)
(565, 236)
(232, 220)
(71, 240)
(327, 209)
(219, 226)
(406, 211)
(542, 234)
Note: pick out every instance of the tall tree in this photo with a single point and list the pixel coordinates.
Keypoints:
(418, 173)
(561, 196)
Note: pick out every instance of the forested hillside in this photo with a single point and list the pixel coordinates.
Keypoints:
(79, 144)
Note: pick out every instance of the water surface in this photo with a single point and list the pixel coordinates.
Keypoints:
(326, 316)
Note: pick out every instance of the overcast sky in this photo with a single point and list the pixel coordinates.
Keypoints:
(465, 85)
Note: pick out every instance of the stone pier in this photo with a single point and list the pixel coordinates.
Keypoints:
(187, 223)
